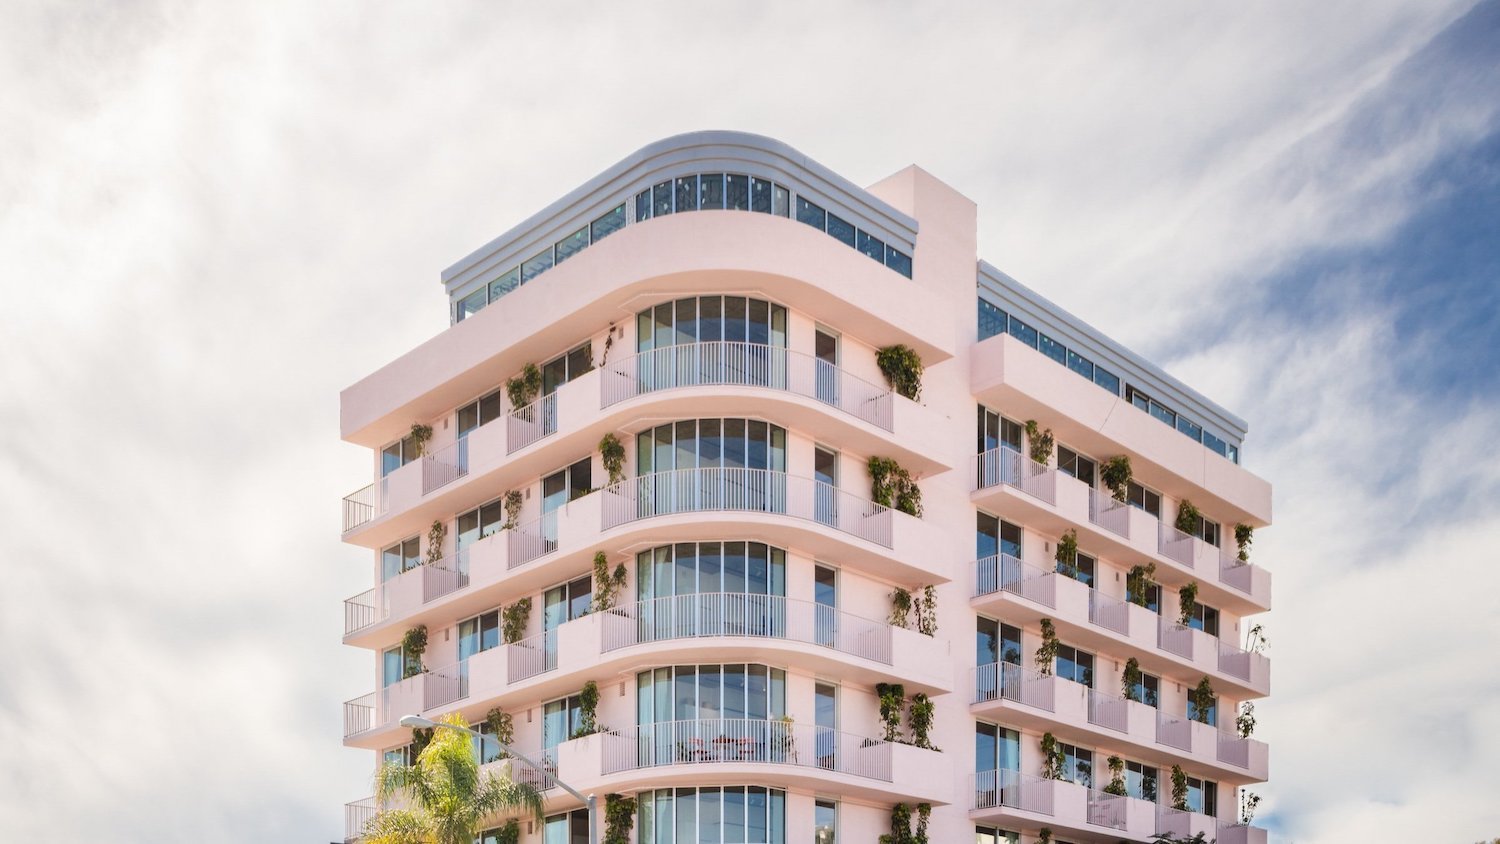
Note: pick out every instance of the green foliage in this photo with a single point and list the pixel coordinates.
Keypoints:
(1244, 723)
(1138, 583)
(619, 818)
(924, 817)
(1052, 757)
(1202, 697)
(509, 833)
(501, 725)
(1255, 639)
(1243, 536)
(1067, 553)
(1188, 517)
(420, 738)
(1130, 680)
(1116, 776)
(420, 436)
(512, 509)
(1046, 652)
(1039, 442)
(514, 619)
(921, 718)
(588, 710)
(1116, 475)
(1179, 788)
(1250, 801)
(522, 390)
(900, 826)
(1168, 838)
(1044, 835)
(413, 645)
(902, 368)
(892, 703)
(900, 608)
(892, 486)
(926, 607)
(613, 456)
(607, 585)
(435, 536)
(1187, 599)
(447, 797)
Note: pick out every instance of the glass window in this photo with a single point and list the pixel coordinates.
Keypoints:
(740, 814)
(1189, 429)
(991, 320)
(536, 265)
(696, 692)
(710, 567)
(1143, 499)
(811, 214)
(1078, 764)
(1080, 364)
(1204, 618)
(898, 261)
(687, 193)
(401, 557)
(990, 835)
(871, 246)
(1083, 571)
(760, 196)
(478, 523)
(1076, 665)
(995, 643)
(1210, 714)
(1053, 349)
(841, 230)
(567, 828)
(1214, 443)
(478, 634)
(390, 666)
(562, 604)
(1140, 781)
(607, 224)
(1023, 332)
(711, 191)
(996, 748)
(995, 536)
(479, 412)
(572, 244)
(1138, 399)
(510, 280)
(781, 201)
(995, 430)
(1070, 462)
(472, 304)
(1148, 690)
(737, 192)
(744, 444)
(825, 822)
(643, 205)
(1106, 379)
(661, 198)
(1203, 796)
(1160, 411)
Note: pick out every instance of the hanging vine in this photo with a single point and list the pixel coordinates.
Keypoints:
(892, 703)
(1203, 700)
(1131, 679)
(1116, 776)
(1067, 553)
(420, 435)
(612, 453)
(512, 509)
(1243, 536)
(922, 712)
(514, 620)
(1116, 475)
(1052, 757)
(892, 486)
(1039, 442)
(413, 645)
(1187, 600)
(607, 585)
(1138, 584)
(522, 390)
(900, 608)
(926, 607)
(1046, 652)
(902, 368)
(1244, 723)
(435, 536)
(1188, 517)
(1179, 788)
(502, 727)
(588, 710)
(619, 818)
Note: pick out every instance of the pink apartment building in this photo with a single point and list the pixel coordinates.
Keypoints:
(714, 303)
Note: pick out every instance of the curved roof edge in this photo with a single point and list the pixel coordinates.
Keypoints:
(714, 149)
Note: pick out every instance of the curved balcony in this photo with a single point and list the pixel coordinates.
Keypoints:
(686, 253)
(1011, 485)
(1003, 585)
(796, 391)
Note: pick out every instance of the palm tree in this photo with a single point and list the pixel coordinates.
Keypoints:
(449, 797)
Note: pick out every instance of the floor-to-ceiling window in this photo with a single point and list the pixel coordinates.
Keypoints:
(737, 461)
(997, 762)
(728, 814)
(401, 557)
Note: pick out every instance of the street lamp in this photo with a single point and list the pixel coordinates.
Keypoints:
(417, 722)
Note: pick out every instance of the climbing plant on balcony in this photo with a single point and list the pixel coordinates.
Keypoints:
(522, 389)
(1116, 475)
(619, 818)
(607, 585)
(902, 368)
(435, 536)
(509, 833)
(420, 435)
(1039, 442)
(1067, 553)
(900, 608)
(1243, 536)
(1179, 788)
(1116, 776)
(1052, 757)
(1138, 584)
(501, 725)
(892, 486)
(892, 703)
(1187, 601)
(1249, 802)
(1255, 639)
(1046, 652)
(1130, 680)
(512, 509)
(926, 607)
(1244, 722)
(921, 717)
(924, 817)
(1188, 517)
(514, 619)
(613, 455)
(900, 826)
(1202, 699)
(413, 645)
(588, 710)
(1044, 835)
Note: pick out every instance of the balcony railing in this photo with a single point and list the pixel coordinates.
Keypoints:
(1174, 731)
(445, 576)
(525, 774)
(746, 740)
(359, 715)
(1109, 612)
(1109, 711)
(531, 656)
(741, 614)
(526, 425)
(534, 539)
(1004, 572)
(1176, 545)
(361, 611)
(1246, 665)
(737, 364)
(1014, 790)
(1174, 638)
(357, 816)
(1004, 681)
(446, 465)
(363, 505)
(1005, 465)
(1106, 512)
(745, 490)
(1106, 809)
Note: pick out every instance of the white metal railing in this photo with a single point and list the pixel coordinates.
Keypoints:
(1014, 790)
(1174, 638)
(1106, 512)
(1004, 572)
(442, 686)
(531, 656)
(359, 715)
(534, 539)
(1106, 809)
(357, 816)
(362, 505)
(1173, 731)
(439, 579)
(446, 465)
(1109, 711)
(1003, 680)
(1238, 575)
(1232, 749)
(744, 614)
(1175, 545)
(361, 611)
(1239, 833)
(745, 490)
(525, 774)
(1173, 822)
(746, 740)
(1246, 665)
(1005, 465)
(526, 425)
(739, 364)
(1109, 612)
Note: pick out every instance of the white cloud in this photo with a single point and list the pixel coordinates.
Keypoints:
(213, 218)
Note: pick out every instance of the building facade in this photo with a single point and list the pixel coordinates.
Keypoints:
(627, 495)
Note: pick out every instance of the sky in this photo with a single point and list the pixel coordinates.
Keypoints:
(213, 217)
